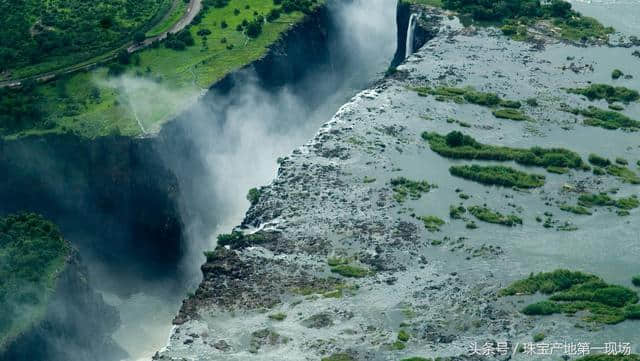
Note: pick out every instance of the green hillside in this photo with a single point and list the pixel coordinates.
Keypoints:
(42, 35)
(161, 80)
(32, 254)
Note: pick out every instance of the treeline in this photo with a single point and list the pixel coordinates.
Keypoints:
(19, 108)
(498, 10)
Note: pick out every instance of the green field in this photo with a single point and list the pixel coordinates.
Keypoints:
(38, 36)
(159, 81)
(32, 254)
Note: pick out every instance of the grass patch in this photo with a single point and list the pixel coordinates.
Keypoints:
(498, 175)
(538, 337)
(607, 92)
(459, 146)
(508, 113)
(571, 292)
(432, 223)
(32, 255)
(404, 188)
(487, 215)
(625, 174)
(278, 316)
(607, 119)
(169, 20)
(350, 271)
(599, 161)
(604, 200)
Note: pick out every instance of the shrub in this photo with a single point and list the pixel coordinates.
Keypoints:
(253, 195)
(403, 188)
(599, 161)
(350, 271)
(609, 93)
(636, 280)
(486, 215)
(616, 74)
(432, 223)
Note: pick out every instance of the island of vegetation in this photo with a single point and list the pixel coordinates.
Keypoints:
(498, 175)
(460, 146)
(570, 292)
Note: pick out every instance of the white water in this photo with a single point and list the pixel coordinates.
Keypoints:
(411, 29)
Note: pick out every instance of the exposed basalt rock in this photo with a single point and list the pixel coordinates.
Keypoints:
(425, 30)
(77, 326)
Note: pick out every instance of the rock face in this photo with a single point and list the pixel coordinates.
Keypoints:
(113, 194)
(77, 326)
(336, 261)
(425, 29)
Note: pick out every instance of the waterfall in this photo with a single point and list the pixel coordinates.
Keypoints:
(410, 33)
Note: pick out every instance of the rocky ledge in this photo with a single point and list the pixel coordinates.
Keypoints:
(355, 252)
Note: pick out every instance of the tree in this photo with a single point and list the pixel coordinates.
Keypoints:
(124, 57)
(139, 37)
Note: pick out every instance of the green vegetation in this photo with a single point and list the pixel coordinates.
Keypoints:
(338, 357)
(253, 195)
(457, 212)
(403, 336)
(606, 119)
(498, 175)
(38, 36)
(171, 18)
(599, 161)
(609, 93)
(625, 174)
(238, 239)
(432, 223)
(416, 359)
(403, 188)
(575, 209)
(636, 280)
(32, 255)
(508, 113)
(459, 146)
(397, 346)
(170, 75)
(616, 74)
(487, 215)
(538, 337)
(603, 200)
(571, 292)
(368, 180)
(467, 95)
(278, 316)
(342, 267)
(516, 16)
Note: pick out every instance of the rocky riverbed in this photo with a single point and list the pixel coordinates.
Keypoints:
(334, 260)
